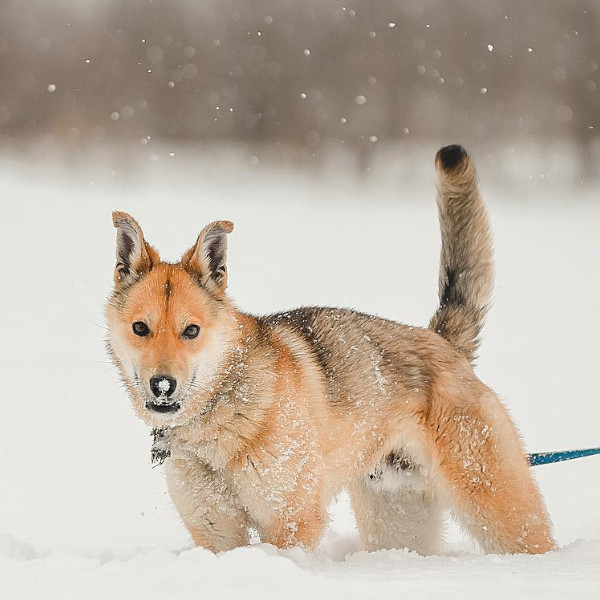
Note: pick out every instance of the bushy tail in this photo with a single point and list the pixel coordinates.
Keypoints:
(466, 264)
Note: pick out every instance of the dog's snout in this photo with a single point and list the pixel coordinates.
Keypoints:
(163, 385)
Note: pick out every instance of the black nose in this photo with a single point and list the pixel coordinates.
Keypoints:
(163, 385)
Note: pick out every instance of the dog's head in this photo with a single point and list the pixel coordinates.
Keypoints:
(169, 324)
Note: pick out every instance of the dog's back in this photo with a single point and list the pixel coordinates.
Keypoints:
(361, 357)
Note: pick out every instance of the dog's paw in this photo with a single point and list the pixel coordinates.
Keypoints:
(161, 449)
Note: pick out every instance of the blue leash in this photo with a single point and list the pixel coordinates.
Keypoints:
(544, 458)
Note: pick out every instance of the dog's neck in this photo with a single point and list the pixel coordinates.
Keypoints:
(232, 408)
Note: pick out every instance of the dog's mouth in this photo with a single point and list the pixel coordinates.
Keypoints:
(162, 406)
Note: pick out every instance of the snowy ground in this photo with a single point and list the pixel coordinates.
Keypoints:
(82, 514)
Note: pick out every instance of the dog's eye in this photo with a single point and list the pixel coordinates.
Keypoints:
(191, 332)
(140, 329)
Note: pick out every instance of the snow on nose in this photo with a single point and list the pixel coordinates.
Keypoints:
(163, 386)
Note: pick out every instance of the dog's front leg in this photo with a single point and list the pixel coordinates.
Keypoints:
(299, 524)
(209, 508)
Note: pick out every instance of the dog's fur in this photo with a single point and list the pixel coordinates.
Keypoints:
(272, 416)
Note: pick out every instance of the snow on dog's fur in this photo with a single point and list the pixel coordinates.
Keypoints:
(262, 420)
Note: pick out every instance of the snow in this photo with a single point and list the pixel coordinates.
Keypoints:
(264, 572)
(164, 385)
(83, 514)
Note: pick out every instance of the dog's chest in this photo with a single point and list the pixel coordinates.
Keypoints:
(266, 480)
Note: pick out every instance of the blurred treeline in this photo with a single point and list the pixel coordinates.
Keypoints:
(303, 76)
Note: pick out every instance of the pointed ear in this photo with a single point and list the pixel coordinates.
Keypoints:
(207, 259)
(134, 256)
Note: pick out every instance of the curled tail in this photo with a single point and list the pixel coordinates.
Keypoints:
(466, 264)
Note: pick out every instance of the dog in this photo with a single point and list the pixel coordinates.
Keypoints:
(262, 420)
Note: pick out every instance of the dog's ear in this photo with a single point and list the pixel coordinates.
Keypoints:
(207, 259)
(134, 256)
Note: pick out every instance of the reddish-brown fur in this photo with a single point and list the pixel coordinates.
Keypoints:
(279, 413)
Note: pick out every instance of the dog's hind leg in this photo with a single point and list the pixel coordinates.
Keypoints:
(396, 506)
(486, 476)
